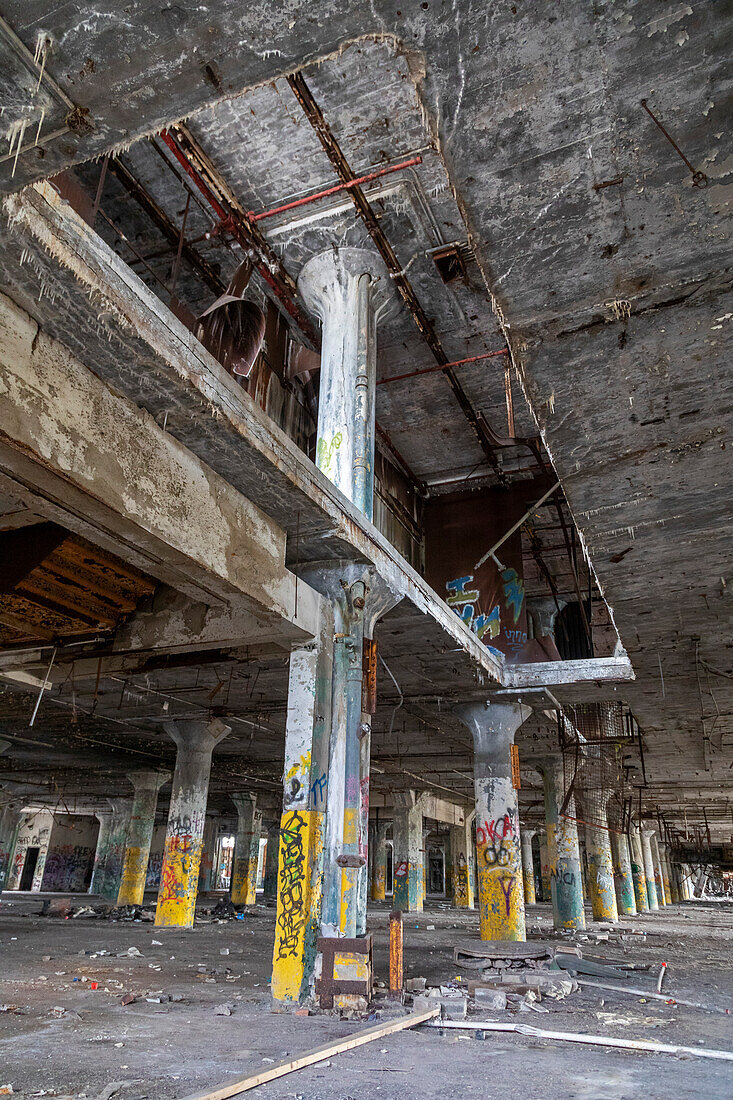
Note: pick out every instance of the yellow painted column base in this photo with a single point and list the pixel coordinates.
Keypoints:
(134, 873)
(298, 881)
(501, 905)
(178, 883)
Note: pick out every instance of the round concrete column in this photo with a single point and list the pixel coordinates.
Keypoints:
(379, 862)
(104, 817)
(243, 889)
(9, 822)
(269, 881)
(407, 853)
(498, 846)
(139, 835)
(637, 872)
(545, 867)
(660, 876)
(563, 848)
(646, 851)
(195, 741)
(348, 288)
(600, 860)
(109, 886)
(530, 893)
(624, 882)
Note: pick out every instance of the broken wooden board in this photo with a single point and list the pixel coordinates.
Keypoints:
(319, 1054)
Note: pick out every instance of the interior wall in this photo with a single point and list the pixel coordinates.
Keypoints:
(34, 832)
(70, 857)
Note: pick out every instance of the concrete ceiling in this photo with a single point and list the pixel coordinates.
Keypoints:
(608, 270)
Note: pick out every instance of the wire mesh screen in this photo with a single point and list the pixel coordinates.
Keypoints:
(591, 736)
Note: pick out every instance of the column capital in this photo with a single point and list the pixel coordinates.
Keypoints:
(245, 801)
(196, 734)
(119, 805)
(148, 779)
(492, 724)
(329, 279)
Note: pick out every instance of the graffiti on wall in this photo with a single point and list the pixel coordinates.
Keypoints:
(488, 594)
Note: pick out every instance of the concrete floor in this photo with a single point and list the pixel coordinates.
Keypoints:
(166, 1051)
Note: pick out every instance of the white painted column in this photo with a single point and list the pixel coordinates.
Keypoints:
(348, 288)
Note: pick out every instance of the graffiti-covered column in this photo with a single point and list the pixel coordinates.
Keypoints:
(622, 876)
(660, 877)
(10, 816)
(637, 871)
(195, 741)
(246, 849)
(462, 871)
(379, 862)
(139, 835)
(302, 823)
(498, 846)
(407, 839)
(104, 817)
(648, 860)
(208, 855)
(545, 867)
(109, 885)
(530, 892)
(599, 857)
(674, 878)
(563, 848)
(269, 879)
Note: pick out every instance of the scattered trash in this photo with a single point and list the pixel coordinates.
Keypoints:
(132, 953)
(415, 985)
(224, 1009)
(128, 999)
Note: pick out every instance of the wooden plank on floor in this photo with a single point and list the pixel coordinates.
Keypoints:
(319, 1054)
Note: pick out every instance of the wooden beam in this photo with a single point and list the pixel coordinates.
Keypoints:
(311, 1057)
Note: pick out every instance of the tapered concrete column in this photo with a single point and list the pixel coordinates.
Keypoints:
(499, 857)
(195, 741)
(407, 854)
(349, 289)
(622, 877)
(246, 849)
(379, 862)
(269, 880)
(302, 823)
(530, 892)
(424, 857)
(109, 885)
(687, 882)
(674, 880)
(9, 821)
(646, 851)
(599, 858)
(563, 849)
(461, 847)
(104, 817)
(208, 855)
(545, 868)
(637, 872)
(658, 873)
(139, 835)
(660, 877)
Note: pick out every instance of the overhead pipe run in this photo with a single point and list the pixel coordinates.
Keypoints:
(368, 178)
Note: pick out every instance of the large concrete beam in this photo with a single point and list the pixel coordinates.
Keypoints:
(104, 469)
(209, 412)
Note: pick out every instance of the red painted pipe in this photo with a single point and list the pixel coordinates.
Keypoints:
(442, 366)
(229, 222)
(334, 190)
